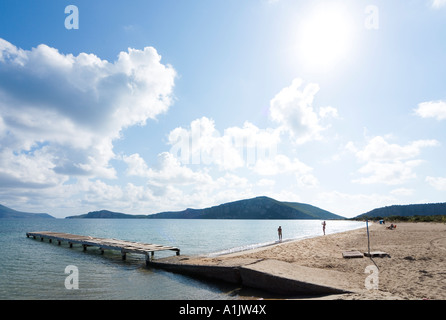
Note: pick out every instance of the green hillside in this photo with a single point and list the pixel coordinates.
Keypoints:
(410, 210)
(256, 208)
(105, 214)
(9, 213)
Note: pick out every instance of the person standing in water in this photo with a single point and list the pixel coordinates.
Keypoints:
(323, 227)
(279, 231)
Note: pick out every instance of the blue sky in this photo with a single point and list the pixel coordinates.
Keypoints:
(162, 105)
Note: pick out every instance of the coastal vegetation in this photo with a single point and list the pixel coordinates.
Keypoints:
(428, 212)
(416, 218)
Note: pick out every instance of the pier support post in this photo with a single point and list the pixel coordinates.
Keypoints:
(112, 244)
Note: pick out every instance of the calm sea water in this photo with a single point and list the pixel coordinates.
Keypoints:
(30, 269)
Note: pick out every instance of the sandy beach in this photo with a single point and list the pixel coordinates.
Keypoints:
(414, 269)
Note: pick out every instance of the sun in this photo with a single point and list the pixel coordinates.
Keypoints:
(325, 37)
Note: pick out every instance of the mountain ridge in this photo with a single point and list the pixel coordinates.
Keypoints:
(254, 208)
(8, 213)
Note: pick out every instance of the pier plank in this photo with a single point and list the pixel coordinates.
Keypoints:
(103, 243)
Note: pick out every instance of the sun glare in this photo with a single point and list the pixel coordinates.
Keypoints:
(325, 37)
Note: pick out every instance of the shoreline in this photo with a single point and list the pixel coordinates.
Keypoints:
(416, 268)
(251, 247)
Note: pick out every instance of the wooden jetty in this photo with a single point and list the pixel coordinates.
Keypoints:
(112, 244)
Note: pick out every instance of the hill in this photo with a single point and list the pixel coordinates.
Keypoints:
(105, 214)
(256, 208)
(428, 209)
(9, 213)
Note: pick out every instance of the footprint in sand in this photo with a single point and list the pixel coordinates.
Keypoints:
(439, 243)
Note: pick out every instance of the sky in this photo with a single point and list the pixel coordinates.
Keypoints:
(149, 106)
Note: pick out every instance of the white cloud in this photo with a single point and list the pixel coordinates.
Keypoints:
(292, 108)
(173, 186)
(98, 191)
(167, 171)
(237, 147)
(328, 111)
(438, 183)
(378, 149)
(351, 205)
(388, 163)
(432, 109)
(136, 166)
(281, 164)
(391, 173)
(402, 192)
(438, 3)
(203, 144)
(32, 170)
(248, 147)
(75, 106)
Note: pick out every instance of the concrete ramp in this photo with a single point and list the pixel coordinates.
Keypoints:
(273, 276)
(288, 278)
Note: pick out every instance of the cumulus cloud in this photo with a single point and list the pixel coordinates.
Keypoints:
(432, 109)
(388, 163)
(168, 170)
(237, 147)
(75, 106)
(391, 173)
(378, 149)
(292, 109)
(281, 164)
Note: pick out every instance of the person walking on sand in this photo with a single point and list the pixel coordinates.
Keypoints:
(280, 233)
(323, 227)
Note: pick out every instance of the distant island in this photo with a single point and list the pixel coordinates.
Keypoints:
(9, 213)
(255, 208)
(410, 212)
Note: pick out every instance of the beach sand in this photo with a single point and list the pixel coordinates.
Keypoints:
(416, 268)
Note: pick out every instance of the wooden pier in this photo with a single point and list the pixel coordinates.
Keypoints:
(112, 244)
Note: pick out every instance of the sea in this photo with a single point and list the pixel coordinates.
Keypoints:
(35, 270)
